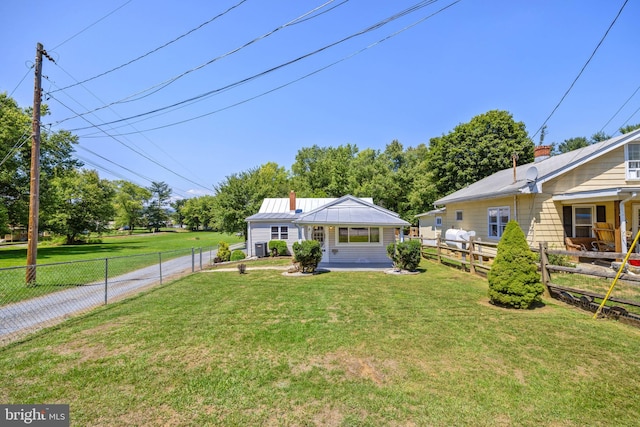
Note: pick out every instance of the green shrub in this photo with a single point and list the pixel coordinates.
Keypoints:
(278, 248)
(513, 279)
(405, 255)
(308, 254)
(224, 254)
(237, 255)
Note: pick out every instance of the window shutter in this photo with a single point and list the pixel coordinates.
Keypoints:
(601, 214)
(567, 220)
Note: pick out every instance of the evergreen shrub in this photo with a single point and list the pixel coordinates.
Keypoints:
(308, 254)
(278, 248)
(513, 279)
(224, 254)
(237, 255)
(405, 255)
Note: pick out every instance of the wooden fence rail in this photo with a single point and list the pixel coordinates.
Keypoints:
(477, 256)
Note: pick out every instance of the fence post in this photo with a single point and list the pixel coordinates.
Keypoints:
(201, 258)
(544, 260)
(193, 260)
(160, 265)
(106, 279)
(472, 248)
(438, 251)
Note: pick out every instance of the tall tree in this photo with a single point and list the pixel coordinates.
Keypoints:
(130, 200)
(323, 171)
(240, 195)
(477, 149)
(157, 213)
(573, 144)
(56, 159)
(85, 203)
(629, 128)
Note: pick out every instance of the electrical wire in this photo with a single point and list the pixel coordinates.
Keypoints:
(205, 95)
(18, 145)
(156, 88)
(131, 142)
(288, 83)
(620, 109)
(135, 151)
(154, 50)
(582, 70)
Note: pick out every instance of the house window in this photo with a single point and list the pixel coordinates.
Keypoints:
(358, 235)
(438, 221)
(279, 233)
(458, 215)
(582, 220)
(632, 160)
(498, 219)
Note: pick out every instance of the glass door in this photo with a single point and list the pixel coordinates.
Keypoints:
(319, 235)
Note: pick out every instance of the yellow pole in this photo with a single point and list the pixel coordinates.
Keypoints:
(624, 262)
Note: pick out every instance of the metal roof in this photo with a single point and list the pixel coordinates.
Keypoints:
(502, 183)
(273, 205)
(349, 210)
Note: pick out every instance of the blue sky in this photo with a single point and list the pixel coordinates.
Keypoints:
(432, 74)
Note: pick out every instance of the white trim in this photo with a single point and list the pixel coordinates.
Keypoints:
(499, 225)
(573, 217)
(352, 244)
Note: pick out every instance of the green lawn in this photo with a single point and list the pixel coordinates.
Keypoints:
(125, 253)
(115, 246)
(348, 348)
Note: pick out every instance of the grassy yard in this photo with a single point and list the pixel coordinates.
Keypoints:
(348, 348)
(115, 246)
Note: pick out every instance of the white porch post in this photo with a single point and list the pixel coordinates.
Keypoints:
(623, 222)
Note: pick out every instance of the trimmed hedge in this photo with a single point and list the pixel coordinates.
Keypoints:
(278, 248)
(513, 279)
(237, 255)
(405, 255)
(308, 254)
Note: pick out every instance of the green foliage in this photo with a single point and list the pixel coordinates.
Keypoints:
(240, 195)
(476, 150)
(156, 212)
(237, 255)
(513, 279)
(84, 204)
(223, 251)
(199, 212)
(629, 128)
(308, 254)
(129, 204)
(405, 255)
(278, 248)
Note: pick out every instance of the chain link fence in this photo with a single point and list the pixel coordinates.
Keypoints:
(61, 290)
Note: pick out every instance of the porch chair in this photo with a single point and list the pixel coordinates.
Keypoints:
(605, 237)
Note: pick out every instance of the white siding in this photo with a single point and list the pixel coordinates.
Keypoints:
(261, 232)
(359, 253)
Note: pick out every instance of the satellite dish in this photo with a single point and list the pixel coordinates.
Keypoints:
(532, 174)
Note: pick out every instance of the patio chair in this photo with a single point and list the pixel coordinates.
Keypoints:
(605, 237)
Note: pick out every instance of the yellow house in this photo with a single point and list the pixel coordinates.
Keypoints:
(578, 194)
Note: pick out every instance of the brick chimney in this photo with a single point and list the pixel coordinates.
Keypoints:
(292, 201)
(541, 152)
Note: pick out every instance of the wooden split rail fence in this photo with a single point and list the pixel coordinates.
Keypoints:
(477, 256)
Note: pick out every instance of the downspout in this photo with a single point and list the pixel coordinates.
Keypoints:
(515, 208)
(623, 221)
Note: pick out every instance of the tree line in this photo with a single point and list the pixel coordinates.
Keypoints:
(406, 180)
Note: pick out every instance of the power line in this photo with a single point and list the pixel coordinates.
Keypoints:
(373, 27)
(86, 28)
(582, 70)
(620, 109)
(100, 100)
(288, 83)
(154, 50)
(156, 88)
(135, 151)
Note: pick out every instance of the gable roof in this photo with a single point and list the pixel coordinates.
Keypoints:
(349, 210)
(502, 183)
(279, 208)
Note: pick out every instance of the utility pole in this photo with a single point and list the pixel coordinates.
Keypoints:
(34, 190)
